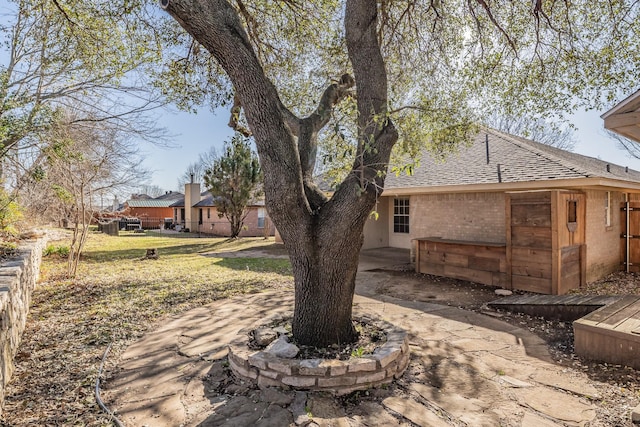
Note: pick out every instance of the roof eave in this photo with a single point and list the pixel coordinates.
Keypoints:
(630, 103)
(576, 183)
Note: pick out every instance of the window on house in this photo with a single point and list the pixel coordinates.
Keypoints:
(401, 215)
(200, 216)
(261, 215)
(607, 209)
(208, 213)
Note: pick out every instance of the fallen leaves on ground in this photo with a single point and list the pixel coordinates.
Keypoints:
(115, 298)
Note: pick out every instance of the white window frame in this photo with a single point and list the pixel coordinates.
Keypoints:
(262, 214)
(401, 209)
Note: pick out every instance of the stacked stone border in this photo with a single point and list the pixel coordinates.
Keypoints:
(339, 377)
(18, 276)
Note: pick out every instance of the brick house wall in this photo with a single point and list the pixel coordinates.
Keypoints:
(460, 216)
(478, 217)
(376, 231)
(481, 217)
(214, 225)
(603, 242)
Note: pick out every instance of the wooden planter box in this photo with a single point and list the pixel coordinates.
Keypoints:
(474, 261)
(545, 249)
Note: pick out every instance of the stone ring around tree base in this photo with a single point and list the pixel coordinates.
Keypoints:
(339, 377)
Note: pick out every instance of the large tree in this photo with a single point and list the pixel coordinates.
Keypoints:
(444, 60)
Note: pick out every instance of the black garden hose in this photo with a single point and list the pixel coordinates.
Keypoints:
(114, 419)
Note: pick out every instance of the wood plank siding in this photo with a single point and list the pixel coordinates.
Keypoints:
(474, 261)
(545, 240)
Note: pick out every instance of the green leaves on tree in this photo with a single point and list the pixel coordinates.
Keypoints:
(233, 180)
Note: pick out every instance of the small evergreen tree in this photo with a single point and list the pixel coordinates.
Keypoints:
(233, 181)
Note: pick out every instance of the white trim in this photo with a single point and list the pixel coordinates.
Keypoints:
(633, 99)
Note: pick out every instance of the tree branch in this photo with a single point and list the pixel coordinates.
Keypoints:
(234, 120)
(311, 125)
(376, 132)
(64, 13)
(218, 28)
(493, 20)
(332, 95)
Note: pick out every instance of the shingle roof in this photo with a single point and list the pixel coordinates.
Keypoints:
(171, 195)
(149, 203)
(179, 202)
(209, 201)
(520, 160)
(206, 200)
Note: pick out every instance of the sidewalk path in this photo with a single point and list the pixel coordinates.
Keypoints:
(466, 369)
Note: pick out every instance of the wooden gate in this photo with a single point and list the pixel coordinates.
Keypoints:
(546, 241)
(630, 237)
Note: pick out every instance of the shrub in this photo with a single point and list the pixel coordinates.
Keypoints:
(10, 215)
(61, 251)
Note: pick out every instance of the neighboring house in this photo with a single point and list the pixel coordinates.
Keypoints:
(509, 212)
(151, 212)
(197, 212)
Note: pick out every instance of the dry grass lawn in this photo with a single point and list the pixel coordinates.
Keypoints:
(115, 298)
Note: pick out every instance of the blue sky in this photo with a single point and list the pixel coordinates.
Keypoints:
(196, 133)
(192, 134)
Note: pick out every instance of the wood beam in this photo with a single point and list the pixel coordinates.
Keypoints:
(622, 120)
(631, 132)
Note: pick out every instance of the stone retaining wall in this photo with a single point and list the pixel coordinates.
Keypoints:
(18, 276)
(388, 362)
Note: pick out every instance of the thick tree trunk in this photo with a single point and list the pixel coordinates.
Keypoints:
(324, 287)
(323, 236)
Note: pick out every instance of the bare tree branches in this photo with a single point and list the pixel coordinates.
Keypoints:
(55, 63)
(631, 147)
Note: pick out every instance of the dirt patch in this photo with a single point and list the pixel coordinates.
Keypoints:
(619, 385)
(405, 284)
(246, 254)
(370, 337)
